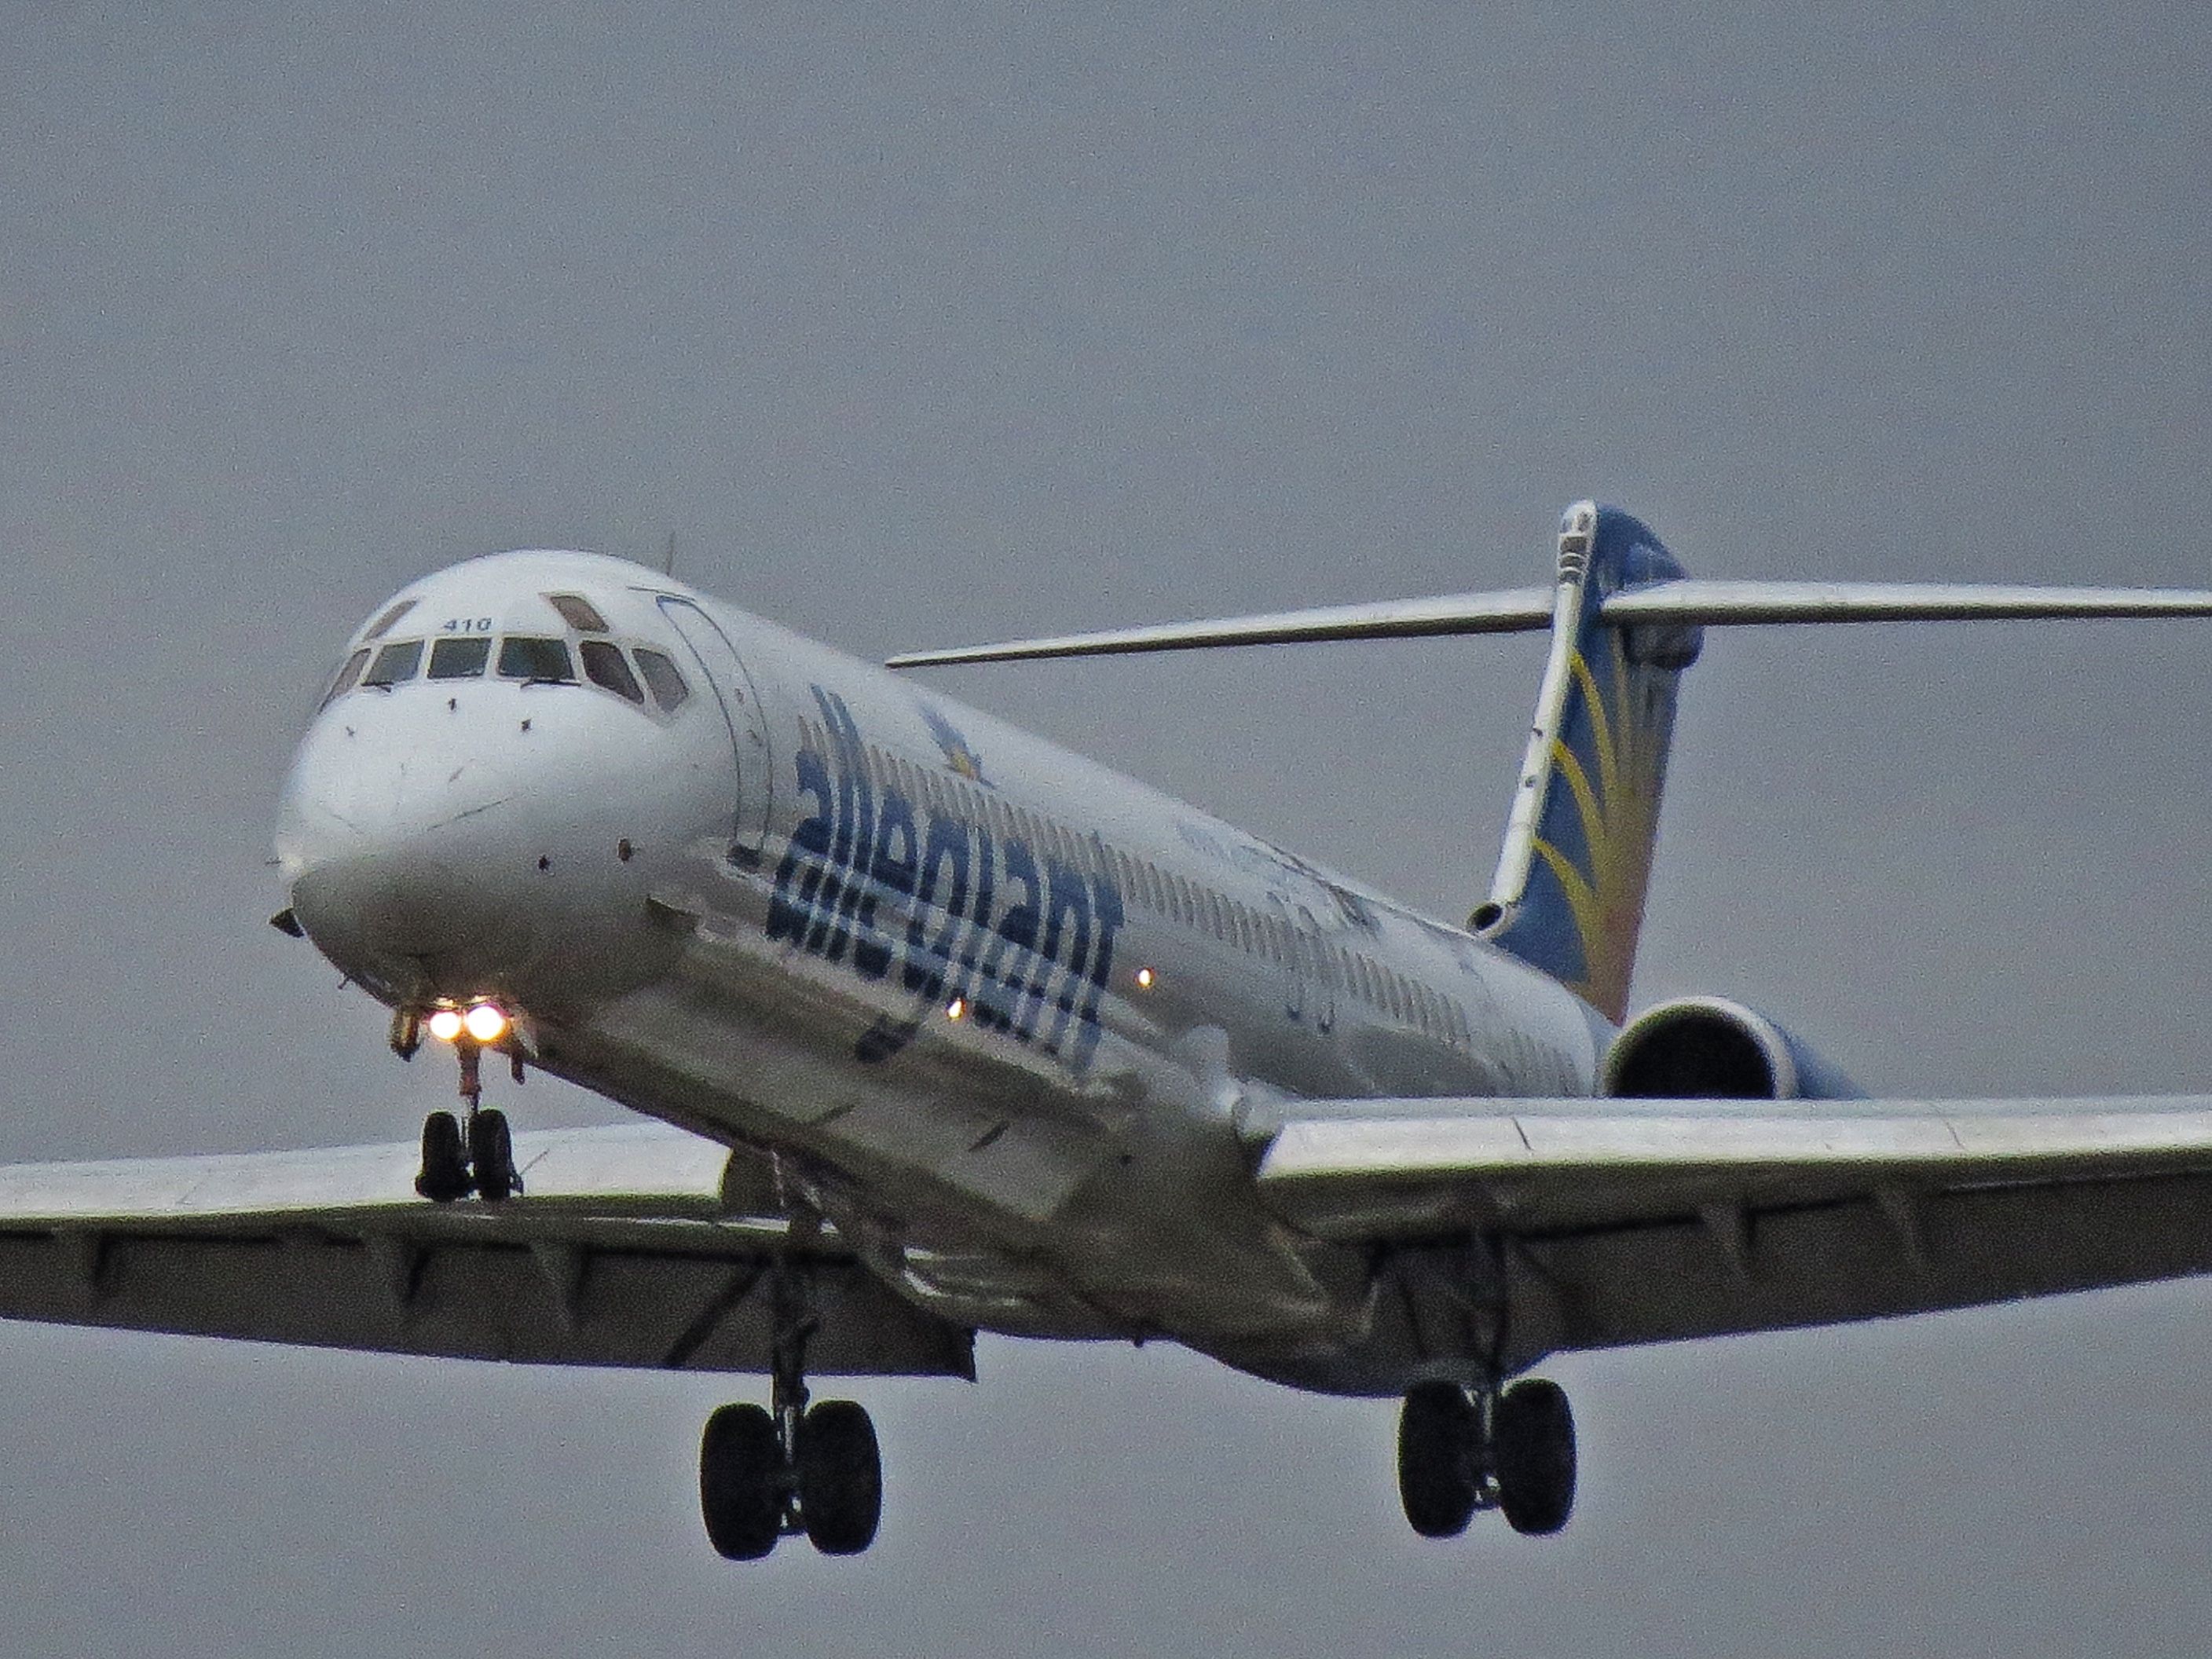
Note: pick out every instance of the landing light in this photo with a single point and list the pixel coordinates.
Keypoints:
(485, 1023)
(1143, 979)
(445, 1025)
(955, 1008)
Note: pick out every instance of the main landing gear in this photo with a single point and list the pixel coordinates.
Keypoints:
(768, 1473)
(1510, 1449)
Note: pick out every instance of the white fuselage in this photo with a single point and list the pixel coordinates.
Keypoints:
(999, 1012)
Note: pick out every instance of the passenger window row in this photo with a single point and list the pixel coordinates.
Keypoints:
(1383, 988)
(1171, 897)
(532, 659)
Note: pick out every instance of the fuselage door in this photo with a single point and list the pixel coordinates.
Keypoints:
(741, 714)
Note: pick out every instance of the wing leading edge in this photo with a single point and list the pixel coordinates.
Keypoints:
(624, 1252)
(1641, 1221)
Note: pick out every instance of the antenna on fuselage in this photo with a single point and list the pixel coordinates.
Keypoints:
(668, 559)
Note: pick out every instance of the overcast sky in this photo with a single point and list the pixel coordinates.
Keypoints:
(928, 324)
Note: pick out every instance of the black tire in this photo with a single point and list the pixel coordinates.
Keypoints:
(741, 1482)
(491, 1155)
(840, 1478)
(1532, 1452)
(444, 1175)
(1439, 1461)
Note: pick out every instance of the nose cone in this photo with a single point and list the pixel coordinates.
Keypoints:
(410, 855)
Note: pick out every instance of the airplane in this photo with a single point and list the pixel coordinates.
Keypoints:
(934, 1028)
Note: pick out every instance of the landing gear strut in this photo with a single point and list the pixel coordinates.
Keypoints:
(1511, 1449)
(475, 1155)
(768, 1474)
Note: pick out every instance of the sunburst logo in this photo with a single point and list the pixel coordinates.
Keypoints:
(958, 754)
(1614, 760)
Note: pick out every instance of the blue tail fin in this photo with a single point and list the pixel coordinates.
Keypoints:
(1569, 894)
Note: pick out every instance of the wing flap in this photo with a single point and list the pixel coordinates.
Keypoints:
(618, 1253)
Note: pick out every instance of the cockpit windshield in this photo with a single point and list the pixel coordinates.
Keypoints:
(606, 666)
(463, 659)
(397, 662)
(522, 658)
(641, 677)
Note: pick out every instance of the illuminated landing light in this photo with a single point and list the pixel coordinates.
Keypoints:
(485, 1023)
(1143, 979)
(446, 1024)
(957, 1009)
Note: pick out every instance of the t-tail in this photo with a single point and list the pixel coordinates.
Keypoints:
(1625, 623)
(1568, 896)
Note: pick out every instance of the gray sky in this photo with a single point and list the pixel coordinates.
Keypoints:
(931, 324)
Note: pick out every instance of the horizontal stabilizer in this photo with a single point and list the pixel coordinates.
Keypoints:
(1685, 603)
(1697, 603)
(1518, 610)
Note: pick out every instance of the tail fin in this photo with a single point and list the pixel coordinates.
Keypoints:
(1569, 894)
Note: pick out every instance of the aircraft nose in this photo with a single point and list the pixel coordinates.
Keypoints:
(409, 865)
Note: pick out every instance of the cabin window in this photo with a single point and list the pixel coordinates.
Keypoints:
(394, 664)
(459, 659)
(385, 624)
(605, 665)
(348, 677)
(579, 613)
(664, 677)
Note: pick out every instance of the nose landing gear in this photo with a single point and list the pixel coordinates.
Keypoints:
(472, 1156)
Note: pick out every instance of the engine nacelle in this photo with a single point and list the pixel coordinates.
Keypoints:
(1710, 1048)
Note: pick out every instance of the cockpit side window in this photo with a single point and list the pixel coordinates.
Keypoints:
(521, 658)
(385, 624)
(579, 612)
(669, 690)
(395, 663)
(348, 677)
(459, 659)
(604, 665)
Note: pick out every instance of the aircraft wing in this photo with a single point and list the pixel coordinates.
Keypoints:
(1628, 1221)
(625, 1249)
